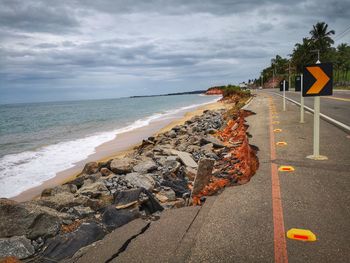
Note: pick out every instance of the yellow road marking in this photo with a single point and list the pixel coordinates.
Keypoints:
(277, 130)
(336, 98)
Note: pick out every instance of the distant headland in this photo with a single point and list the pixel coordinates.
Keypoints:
(172, 94)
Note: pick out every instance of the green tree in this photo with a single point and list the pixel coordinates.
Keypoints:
(302, 55)
(342, 64)
(321, 38)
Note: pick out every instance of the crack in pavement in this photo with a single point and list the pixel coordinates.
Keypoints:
(127, 242)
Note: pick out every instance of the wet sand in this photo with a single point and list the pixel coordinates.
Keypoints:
(118, 147)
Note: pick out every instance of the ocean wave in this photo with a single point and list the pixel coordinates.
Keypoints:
(25, 170)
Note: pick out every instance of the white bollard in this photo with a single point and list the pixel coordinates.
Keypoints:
(284, 95)
(301, 101)
(316, 155)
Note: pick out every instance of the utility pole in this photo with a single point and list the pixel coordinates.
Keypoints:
(318, 55)
(289, 83)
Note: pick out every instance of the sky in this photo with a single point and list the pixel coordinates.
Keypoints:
(94, 49)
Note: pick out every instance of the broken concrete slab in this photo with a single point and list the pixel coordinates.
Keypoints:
(105, 249)
(204, 172)
(185, 158)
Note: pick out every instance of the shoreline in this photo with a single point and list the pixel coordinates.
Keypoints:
(121, 145)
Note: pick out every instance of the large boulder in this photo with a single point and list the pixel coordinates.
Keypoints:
(113, 218)
(145, 167)
(122, 166)
(29, 219)
(17, 246)
(66, 188)
(94, 190)
(91, 168)
(141, 180)
(62, 201)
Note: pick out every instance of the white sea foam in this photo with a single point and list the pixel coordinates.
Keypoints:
(22, 171)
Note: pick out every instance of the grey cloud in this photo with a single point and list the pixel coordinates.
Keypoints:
(37, 16)
(71, 44)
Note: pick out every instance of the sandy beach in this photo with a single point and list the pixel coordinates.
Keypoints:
(118, 147)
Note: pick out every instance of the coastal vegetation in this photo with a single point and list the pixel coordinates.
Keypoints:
(320, 40)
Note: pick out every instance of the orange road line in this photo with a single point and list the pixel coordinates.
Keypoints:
(280, 245)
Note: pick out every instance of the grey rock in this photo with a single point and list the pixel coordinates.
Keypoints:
(172, 166)
(105, 171)
(213, 140)
(62, 200)
(145, 167)
(141, 180)
(193, 148)
(81, 211)
(122, 166)
(17, 246)
(168, 193)
(29, 219)
(207, 148)
(90, 168)
(212, 156)
(172, 158)
(211, 131)
(66, 188)
(204, 172)
(172, 134)
(94, 190)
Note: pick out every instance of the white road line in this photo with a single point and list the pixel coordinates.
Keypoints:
(323, 116)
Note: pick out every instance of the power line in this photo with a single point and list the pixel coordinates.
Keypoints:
(342, 34)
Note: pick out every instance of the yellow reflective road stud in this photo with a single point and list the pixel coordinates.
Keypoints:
(285, 168)
(281, 143)
(301, 234)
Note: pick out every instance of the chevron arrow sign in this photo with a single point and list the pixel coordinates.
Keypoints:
(318, 80)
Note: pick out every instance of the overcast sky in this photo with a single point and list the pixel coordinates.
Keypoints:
(67, 50)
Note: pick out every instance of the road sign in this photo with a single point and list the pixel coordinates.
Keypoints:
(281, 86)
(318, 80)
(298, 83)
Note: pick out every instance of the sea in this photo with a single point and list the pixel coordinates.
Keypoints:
(38, 140)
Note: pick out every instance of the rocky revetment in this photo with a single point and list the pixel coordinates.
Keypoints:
(170, 170)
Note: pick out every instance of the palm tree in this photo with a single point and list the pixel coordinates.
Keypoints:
(321, 37)
(302, 55)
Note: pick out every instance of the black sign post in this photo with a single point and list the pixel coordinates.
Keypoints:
(298, 83)
(286, 83)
